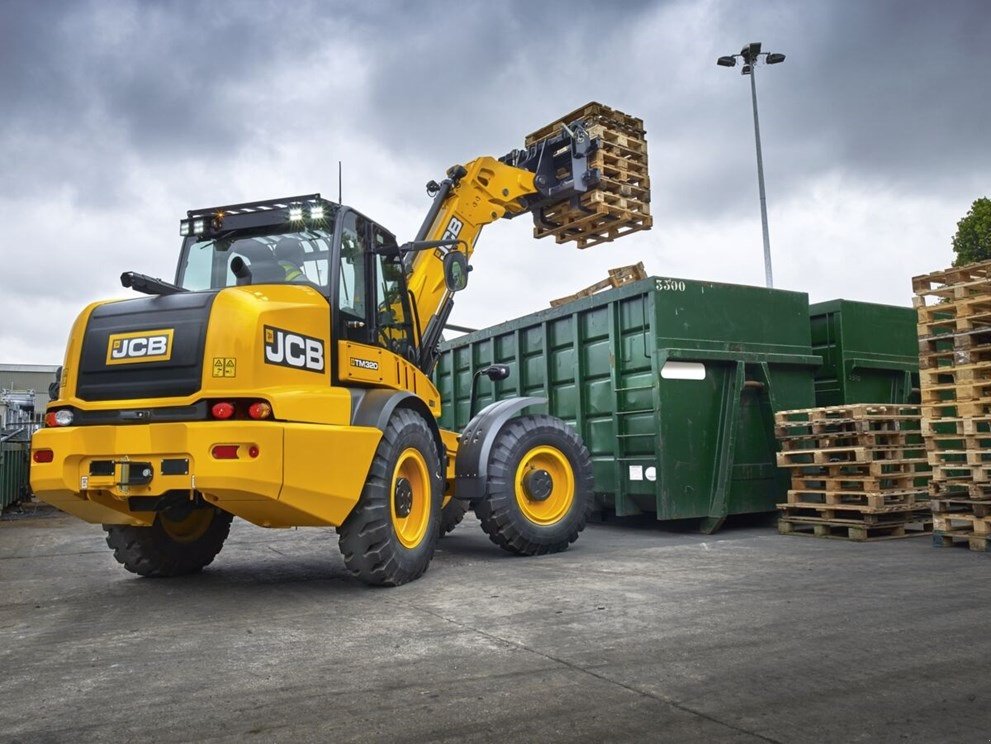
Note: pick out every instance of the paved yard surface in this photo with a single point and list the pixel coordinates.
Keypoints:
(636, 634)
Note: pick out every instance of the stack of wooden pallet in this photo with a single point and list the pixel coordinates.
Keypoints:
(954, 308)
(620, 203)
(858, 472)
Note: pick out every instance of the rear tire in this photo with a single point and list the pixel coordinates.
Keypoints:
(171, 547)
(452, 514)
(389, 537)
(539, 488)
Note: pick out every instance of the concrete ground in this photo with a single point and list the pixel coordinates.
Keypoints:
(635, 634)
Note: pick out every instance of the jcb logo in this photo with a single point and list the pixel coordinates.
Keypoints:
(295, 350)
(140, 346)
(453, 229)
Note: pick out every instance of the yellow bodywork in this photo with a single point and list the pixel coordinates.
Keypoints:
(309, 464)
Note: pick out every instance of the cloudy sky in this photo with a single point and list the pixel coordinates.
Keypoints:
(120, 116)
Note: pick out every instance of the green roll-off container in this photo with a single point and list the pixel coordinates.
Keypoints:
(870, 353)
(671, 383)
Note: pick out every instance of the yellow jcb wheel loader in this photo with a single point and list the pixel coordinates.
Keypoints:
(284, 378)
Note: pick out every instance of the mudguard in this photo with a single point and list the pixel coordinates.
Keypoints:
(472, 462)
(375, 407)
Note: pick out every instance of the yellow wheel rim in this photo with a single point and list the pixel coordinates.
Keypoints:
(409, 498)
(193, 527)
(536, 507)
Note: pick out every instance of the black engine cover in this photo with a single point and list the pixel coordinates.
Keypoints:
(186, 314)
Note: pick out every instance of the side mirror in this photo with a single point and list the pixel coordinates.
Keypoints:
(496, 372)
(456, 270)
(241, 270)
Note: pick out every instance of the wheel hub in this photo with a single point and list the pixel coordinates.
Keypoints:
(538, 485)
(403, 497)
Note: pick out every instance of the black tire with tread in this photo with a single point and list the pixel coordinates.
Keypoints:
(452, 514)
(499, 513)
(372, 551)
(152, 553)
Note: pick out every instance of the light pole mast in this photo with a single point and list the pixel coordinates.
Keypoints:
(768, 278)
(750, 54)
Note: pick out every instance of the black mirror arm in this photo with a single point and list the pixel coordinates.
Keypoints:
(414, 246)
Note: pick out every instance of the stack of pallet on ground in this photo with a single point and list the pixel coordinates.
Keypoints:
(858, 472)
(954, 309)
(620, 203)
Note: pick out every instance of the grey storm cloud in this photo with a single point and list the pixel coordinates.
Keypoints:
(127, 113)
(868, 87)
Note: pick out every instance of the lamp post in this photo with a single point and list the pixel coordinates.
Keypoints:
(750, 54)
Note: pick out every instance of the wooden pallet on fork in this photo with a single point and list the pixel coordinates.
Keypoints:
(618, 203)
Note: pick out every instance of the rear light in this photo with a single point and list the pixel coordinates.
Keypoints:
(43, 455)
(222, 410)
(253, 450)
(260, 410)
(58, 418)
(224, 451)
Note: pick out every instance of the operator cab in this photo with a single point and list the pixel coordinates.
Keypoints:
(305, 241)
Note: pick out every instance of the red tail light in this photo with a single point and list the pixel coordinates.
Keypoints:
(253, 450)
(50, 420)
(222, 410)
(260, 410)
(43, 455)
(224, 451)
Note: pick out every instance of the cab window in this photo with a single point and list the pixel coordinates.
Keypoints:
(392, 322)
(352, 286)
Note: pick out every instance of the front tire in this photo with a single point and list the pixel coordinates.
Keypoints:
(171, 547)
(390, 536)
(539, 488)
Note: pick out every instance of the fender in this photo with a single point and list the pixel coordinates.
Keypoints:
(471, 465)
(375, 407)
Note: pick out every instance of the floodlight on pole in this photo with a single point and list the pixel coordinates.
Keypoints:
(750, 55)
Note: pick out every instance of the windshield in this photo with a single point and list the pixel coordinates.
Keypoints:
(275, 258)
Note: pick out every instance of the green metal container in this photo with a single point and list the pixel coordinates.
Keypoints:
(14, 454)
(870, 353)
(618, 367)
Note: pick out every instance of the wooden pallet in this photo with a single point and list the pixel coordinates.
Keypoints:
(619, 203)
(958, 504)
(870, 501)
(602, 226)
(975, 427)
(954, 282)
(939, 452)
(590, 115)
(846, 471)
(977, 543)
(855, 533)
(871, 438)
(861, 484)
(854, 514)
(843, 414)
(940, 357)
(914, 454)
(962, 488)
(957, 521)
(617, 278)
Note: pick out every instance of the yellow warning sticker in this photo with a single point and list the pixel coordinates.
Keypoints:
(224, 367)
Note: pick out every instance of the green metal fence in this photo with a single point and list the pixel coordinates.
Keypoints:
(672, 384)
(15, 451)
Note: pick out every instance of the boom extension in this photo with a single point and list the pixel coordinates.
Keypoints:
(481, 192)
